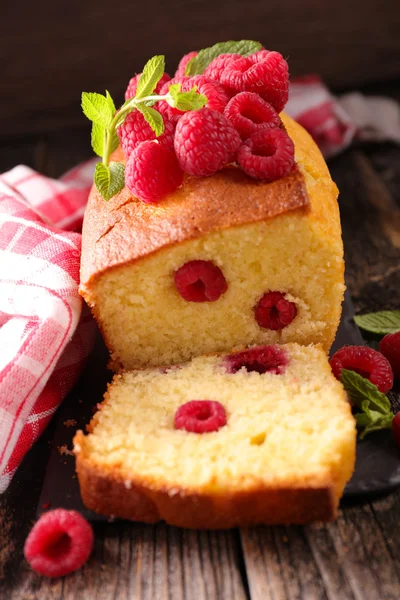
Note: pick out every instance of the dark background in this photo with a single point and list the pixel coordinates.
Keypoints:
(52, 50)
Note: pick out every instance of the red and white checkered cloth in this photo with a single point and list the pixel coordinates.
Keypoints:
(45, 336)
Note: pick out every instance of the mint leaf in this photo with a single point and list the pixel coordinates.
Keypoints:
(98, 135)
(151, 75)
(190, 100)
(383, 322)
(153, 118)
(110, 102)
(359, 388)
(375, 410)
(199, 63)
(109, 180)
(96, 108)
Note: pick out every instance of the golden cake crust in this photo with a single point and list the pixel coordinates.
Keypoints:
(124, 229)
(106, 492)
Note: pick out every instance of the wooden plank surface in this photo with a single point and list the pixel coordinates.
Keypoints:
(357, 557)
(51, 51)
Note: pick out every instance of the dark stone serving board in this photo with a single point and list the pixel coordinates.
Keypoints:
(377, 466)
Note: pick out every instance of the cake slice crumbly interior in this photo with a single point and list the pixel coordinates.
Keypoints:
(284, 455)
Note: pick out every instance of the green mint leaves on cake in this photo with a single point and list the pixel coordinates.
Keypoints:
(221, 107)
(100, 109)
(381, 323)
(374, 409)
(198, 64)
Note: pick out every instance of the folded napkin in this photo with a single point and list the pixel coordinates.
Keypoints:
(45, 335)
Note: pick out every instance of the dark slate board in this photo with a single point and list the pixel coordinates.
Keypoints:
(377, 466)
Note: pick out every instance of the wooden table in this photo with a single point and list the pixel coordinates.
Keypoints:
(354, 558)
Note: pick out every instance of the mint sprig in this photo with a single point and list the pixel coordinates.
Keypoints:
(100, 109)
(374, 407)
(198, 64)
(383, 322)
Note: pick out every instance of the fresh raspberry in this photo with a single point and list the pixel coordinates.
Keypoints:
(152, 171)
(171, 113)
(267, 154)
(217, 98)
(184, 61)
(135, 130)
(262, 359)
(218, 65)
(200, 281)
(265, 73)
(274, 312)
(200, 416)
(59, 543)
(396, 428)
(390, 348)
(205, 142)
(132, 85)
(366, 362)
(249, 113)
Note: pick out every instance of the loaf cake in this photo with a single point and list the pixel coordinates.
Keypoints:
(282, 455)
(263, 237)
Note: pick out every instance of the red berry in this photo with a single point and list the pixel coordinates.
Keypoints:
(249, 113)
(390, 348)
(396, 428)
(183, 63)
(59, 543)
(366, 362)
(177, 79)
(274, 312)
(200, 416)
(200, 281)
(132, 85)
(136, 130)
(173, 114)
(218, 65)
(262, 359)
(205, 142)
(267, 154)
(265, 73)
(217, 98)
(152, 171)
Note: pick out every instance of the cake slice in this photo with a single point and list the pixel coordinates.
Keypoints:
(243, 238)
(278, 444)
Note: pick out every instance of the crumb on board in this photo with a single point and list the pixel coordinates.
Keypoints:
(70, 422)
(64, 450)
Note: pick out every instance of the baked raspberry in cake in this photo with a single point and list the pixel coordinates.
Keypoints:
(264, 435)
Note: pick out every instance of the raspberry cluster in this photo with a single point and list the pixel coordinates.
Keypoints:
(240, 123)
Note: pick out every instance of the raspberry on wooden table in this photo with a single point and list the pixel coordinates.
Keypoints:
(205, 141)
(152, 171)
(200, 281)
(132, 85)
(183, 63)
(274, 312)
(267, 154)
(135, 129)
(390, 348)
(59, 543)
(366, 362)
(249, 113)
(218, 65)
(262, 359)
(200, 416)
(265, 73)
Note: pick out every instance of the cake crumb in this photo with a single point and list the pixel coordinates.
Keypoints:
(70, 422)
(64, 450)
(128, 484)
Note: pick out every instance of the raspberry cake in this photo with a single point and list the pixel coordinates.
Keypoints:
(263, 435)
(237, 239)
